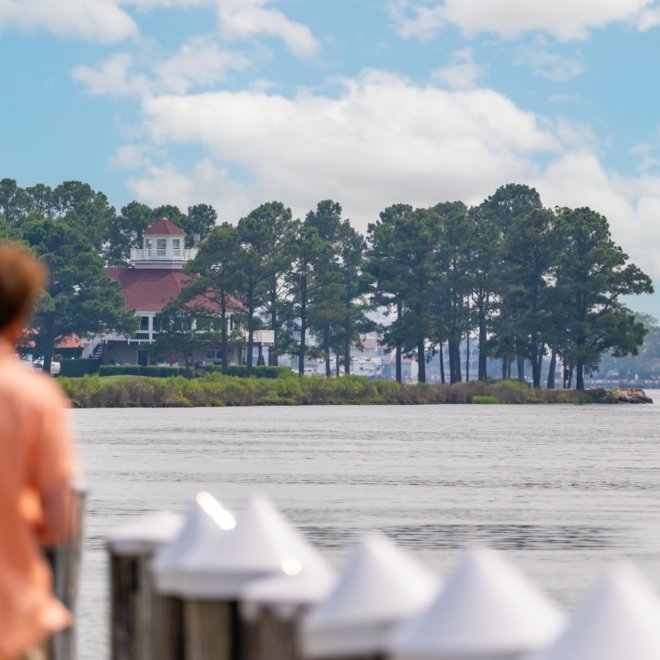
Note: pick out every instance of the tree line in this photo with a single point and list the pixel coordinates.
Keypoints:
(526, 281)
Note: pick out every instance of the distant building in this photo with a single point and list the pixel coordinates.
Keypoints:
(154, 278)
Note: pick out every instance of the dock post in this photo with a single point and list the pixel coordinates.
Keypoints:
(136, 610)
(65, 565)
(212, 561)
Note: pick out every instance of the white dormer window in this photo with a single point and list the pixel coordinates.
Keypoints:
(176, 246)
(161, 246)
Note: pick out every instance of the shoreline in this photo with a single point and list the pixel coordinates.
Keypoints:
(223, 391)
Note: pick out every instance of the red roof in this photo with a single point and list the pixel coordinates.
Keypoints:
(164, 227)
(149, 290)
(70, 341)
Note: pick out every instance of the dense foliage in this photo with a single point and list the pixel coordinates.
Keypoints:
(526, 281)
(221, 390)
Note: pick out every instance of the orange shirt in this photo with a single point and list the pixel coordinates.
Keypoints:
(36, 455)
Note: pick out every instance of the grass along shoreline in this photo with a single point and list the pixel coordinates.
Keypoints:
(216, 390)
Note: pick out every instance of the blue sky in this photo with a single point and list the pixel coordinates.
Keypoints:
(237, 102)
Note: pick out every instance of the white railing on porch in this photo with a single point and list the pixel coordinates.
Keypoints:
(154, 254)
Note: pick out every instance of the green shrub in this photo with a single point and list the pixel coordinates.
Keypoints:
(259, 372)
(137, 370)
(78, 368)
(486, 398)
(215, 389)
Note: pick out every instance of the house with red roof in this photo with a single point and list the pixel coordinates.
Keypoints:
(154, 278)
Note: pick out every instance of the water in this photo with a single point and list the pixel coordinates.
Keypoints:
(565, 491)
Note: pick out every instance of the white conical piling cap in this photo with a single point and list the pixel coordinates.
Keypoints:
(620, 620)
(145, 534)
(379, 586)
(303, 582)
(205, 523)
(261, 543)
(486, 609)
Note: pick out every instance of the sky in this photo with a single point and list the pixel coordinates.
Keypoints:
(238, 102)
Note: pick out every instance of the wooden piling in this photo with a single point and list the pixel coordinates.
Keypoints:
(65, 565)
(273, 636)
(140, 619)
(144, 625)
(210, 628)
(169, 636)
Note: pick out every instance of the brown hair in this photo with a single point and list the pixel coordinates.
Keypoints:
(22, 278)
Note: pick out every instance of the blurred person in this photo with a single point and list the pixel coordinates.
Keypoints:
(37, 467)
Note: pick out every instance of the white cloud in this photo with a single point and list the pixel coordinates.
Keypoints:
(631, 204)
(131, 157)
(148, 5)
(563, 19)
(566, 98)
(647, 159)
(207, 183)
(112, 77)
(199, 63)
(415, 19)
(383, 140)
(547, 62)
(246, 19)
(649, 19)
(95, 20)
(462, 72)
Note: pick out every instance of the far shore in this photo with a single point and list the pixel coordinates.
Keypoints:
(218, 391)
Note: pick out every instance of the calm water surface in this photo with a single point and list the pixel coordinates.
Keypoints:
(565, 491)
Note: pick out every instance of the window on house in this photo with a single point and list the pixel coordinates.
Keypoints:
(144, 324)
(161, 246)
(176, 247)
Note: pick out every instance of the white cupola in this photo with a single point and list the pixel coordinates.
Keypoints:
(163, 246)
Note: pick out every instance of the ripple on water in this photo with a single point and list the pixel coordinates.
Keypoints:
(563, 490)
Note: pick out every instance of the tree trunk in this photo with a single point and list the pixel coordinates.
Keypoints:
(273, 358)
(457, 361)
(421, 361)
(483, 374)
(303, 333)
(326, 347)
(442, 365)
(536, 358)
(337, 363)
(454, 350)
(579, 375)
(399, 311)
(553, 366)
(223, 332)
(467, 358)
(451, 357)
(520, 365)
(48, 359)
(250, 343)
(49, 345)
(348, 340)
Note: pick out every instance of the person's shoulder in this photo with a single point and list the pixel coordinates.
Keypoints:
(23, 384)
